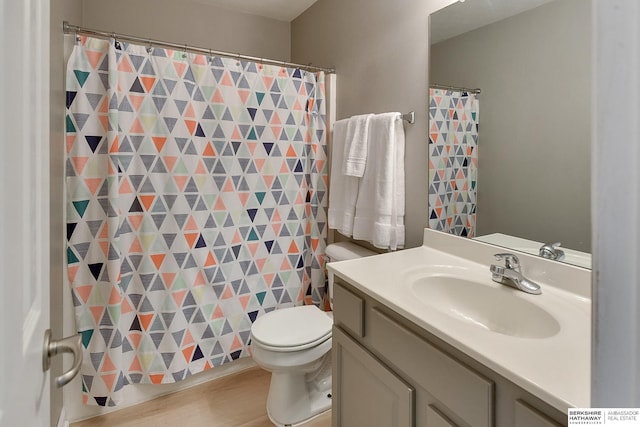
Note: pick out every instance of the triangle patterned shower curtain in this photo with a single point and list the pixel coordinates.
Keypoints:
(196, 202)
(453, 161)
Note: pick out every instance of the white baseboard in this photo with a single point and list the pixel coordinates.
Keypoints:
(138, 393)
(62, 419)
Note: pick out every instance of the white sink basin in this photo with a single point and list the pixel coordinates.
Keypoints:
(499, 308)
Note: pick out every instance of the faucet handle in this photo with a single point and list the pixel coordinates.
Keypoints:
(510, 260)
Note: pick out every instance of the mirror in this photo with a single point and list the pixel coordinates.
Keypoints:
(532, 62)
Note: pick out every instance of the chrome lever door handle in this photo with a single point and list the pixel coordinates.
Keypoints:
(72, 344)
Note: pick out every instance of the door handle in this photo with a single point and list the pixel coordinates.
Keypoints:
(72, 344)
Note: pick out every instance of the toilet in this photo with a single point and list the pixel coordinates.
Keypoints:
(299, 359)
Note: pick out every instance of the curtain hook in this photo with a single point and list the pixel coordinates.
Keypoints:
(184, 54)
(149, 47)
(77, 37)
(116, 43)
(210, 56)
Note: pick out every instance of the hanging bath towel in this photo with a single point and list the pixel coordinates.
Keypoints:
(379, 214)
(343, 191)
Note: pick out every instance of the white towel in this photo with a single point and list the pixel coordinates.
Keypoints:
(343, 190)
(379, 214)
(355, 148)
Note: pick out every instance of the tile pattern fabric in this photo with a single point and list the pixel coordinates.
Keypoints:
(196, 202)
(453, 161)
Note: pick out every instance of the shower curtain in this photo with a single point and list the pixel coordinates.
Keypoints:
(196, 202)
(453, 161)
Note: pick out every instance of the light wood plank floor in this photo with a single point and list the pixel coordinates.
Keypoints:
(238, 400)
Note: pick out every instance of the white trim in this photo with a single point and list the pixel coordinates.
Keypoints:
(615, 378)
(134, 394)
(62, 419)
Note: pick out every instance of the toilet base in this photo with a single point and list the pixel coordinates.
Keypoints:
(296, 398)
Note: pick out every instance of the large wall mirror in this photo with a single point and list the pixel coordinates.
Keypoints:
(531, 59)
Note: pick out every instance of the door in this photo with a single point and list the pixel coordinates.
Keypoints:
(365, 392)
(24, 211)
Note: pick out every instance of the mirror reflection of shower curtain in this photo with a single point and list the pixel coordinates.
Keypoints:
(453, 161)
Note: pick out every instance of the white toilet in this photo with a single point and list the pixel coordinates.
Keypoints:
(294, 345)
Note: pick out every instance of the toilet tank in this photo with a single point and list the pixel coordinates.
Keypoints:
(343, 251)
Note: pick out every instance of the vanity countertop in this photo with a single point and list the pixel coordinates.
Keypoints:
(554, 368)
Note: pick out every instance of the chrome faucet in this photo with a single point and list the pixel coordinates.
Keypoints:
(511, 275)
(551, 251)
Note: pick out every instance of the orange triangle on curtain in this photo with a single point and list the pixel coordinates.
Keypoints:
(191, 125)
(170, 161)
(158, 259)
(179, 67)
(136, 127)
(217, 313)
(108, 380)
(148, 82)
(191, 238)
(168, 279)
(200, 280)
(156, 378)
(268, 278)
(159, 142)
(107, 364)
(136, 101)
(94, 58)
(208, 150)
(135, 365)
(147, 201)
(217, 97)
(93, 184)
(79, 163)
(145, 320)
(71, 139)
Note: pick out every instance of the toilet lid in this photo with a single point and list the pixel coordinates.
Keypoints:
(293, 327)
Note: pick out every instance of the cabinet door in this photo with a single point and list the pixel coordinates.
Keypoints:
(527, 416)
(367, 393)
(435, 418)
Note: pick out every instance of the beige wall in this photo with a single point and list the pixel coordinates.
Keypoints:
(191, 23)
(379, 49)
(534, 150)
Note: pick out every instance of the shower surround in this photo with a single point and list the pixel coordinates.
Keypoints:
(196, 202)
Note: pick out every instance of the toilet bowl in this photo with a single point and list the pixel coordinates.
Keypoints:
(294, 344)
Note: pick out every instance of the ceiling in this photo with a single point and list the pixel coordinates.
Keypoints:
(282, 10)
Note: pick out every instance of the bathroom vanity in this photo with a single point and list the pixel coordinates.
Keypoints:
(423, 337)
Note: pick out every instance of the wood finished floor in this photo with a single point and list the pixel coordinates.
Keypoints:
(238, 400)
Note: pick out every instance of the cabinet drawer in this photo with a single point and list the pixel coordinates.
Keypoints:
(348, 310)
(526, 416)
(463, 391)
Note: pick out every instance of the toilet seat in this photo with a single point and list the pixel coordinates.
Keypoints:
(292, 329)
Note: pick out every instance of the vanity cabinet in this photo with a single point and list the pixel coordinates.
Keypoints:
(387, 371)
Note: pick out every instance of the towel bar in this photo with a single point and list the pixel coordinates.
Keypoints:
(410, 117)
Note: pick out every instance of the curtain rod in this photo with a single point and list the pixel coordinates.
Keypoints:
(74, 29)
(456, 88)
